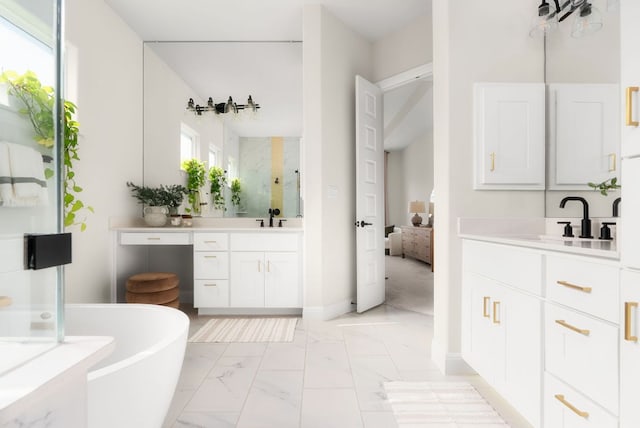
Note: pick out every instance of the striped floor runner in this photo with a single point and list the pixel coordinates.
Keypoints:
(440, 405)
(246, 330)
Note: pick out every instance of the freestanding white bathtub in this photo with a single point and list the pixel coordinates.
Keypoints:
(134, 386)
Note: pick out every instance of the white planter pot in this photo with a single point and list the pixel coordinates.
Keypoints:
(155, 216)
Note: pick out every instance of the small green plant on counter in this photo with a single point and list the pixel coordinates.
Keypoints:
(38, 103)
(195, 180)
(164, 196)
(217, 179)
(606, 186)
(236, 188)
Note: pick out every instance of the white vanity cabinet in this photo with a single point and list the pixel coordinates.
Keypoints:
(210, 270)
(630, 77)
(501, 322)
(509, 136)
(629, 349)
(265, 270)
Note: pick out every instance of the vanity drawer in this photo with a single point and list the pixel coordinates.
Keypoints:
(506, 264)
(265, 241)
(210, 293)
(211, 264)
(564, 407)
(583, 352)
(210, 241)
(155, 238)
(585, 284)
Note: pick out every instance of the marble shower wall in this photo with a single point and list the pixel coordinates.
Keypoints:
(255, 165)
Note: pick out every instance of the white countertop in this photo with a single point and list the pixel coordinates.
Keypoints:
(209, 224)
(539, 233)
(23, 386)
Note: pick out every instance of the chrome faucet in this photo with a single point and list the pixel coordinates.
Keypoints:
(585, 229)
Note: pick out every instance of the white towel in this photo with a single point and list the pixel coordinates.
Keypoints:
(6, 186)
(29, 187)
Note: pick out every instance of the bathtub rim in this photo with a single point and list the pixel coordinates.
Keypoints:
(141, 355)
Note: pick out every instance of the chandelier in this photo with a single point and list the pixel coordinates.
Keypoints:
(229, 107)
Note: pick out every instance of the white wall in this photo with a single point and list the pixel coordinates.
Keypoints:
(104, 74)
(333, 55)
(467, 50)
(406, 48)
(410, 178)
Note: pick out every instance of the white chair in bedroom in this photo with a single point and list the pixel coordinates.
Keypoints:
(393, 241)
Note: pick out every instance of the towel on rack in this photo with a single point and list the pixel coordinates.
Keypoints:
(29, 187)
(6, 185)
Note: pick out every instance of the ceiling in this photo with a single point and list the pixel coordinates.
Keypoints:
(220, 70)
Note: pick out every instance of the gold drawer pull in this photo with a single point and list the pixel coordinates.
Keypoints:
(627, 321)
(612, 166)
(259, 266)
(211, 285)
(5, 301)
(268, 265)
(572, 328)
(629, 106)
(573, 408)
(210, 257)
(496, 320)
(153, 239)
(485, 309)
(574, 287)
(210, 242)
(493, 161)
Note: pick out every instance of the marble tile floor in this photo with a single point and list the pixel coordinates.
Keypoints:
(331, 375)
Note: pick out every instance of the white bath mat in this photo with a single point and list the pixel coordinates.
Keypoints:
(246, 330)
(440, 405)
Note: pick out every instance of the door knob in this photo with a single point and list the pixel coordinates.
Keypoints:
(364, 223)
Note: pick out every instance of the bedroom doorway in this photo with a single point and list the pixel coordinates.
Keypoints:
(408, 144)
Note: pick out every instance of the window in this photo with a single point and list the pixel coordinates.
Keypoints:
(189, 143)
(214, 156)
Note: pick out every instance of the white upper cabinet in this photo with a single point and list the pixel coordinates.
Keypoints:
(509, 136)
(583, 135)
(630, 77)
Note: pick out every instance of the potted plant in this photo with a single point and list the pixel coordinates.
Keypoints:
(38, 103)
(158, 201)
(195, 170)
(217, 180)
(236, 188)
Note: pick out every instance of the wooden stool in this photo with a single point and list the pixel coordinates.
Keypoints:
(156, 288)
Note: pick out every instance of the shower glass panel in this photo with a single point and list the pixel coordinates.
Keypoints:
(31, 301)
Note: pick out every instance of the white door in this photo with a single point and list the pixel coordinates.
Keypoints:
(630, 77)
(369, 195)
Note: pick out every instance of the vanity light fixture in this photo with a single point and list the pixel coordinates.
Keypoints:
(587, 21)
(229, 107)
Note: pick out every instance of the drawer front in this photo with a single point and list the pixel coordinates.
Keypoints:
(583, 352)
(210, 241)
(264, 241)
(155, 238)
(211, 265)
(510, 265)
(584, 284)
(564, 407)
(210, 293)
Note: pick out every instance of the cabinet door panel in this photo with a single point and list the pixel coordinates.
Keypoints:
(630, 350)
(282, 280)
(247, 279)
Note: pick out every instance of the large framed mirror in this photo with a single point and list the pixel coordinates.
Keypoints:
(583, 118)
(259, 150)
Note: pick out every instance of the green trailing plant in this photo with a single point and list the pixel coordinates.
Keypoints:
(236, 188)
(38, 103)
(164, 196)
(217, 181)
(606, 186)
(195, 180)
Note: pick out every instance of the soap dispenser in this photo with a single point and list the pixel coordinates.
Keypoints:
(605, 232)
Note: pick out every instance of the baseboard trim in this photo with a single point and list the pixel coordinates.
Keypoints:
(449, 363)
(324, 313)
